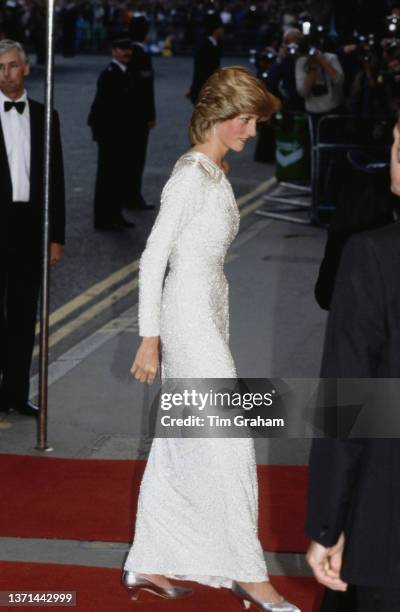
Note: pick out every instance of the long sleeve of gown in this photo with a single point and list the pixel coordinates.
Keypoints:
(179, 200)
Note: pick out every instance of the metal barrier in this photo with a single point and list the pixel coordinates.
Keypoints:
(292, 195)
(322, 196)
(326, 143)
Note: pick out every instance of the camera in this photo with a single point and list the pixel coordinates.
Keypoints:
(263, 60)
(365, 46)
(391, 46)
(268, 54)
(292, 49)
(393, 24)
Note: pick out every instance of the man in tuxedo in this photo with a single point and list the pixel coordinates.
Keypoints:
(22, 123)
(113, 124)
(354, 486)
(144, 114)
(207, 58)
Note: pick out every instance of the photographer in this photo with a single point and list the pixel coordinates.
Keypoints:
(281, 80)
(390, 74)
(319, 80)
(368, 97)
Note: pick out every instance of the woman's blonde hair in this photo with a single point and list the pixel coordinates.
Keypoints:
(229, 92)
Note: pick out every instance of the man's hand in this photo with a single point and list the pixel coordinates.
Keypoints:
(56, 253)
(326, 564)
(347, 49)
(395, 162)
(325, 64)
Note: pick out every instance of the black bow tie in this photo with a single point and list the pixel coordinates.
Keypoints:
(19, 106)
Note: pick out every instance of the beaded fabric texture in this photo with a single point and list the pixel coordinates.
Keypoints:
(198, 504)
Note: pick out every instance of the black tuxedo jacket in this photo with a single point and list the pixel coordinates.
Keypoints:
(57, 188)
(112, 115)
(355, 484)
(207, 60)
(141, 70)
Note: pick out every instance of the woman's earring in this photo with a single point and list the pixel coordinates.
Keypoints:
(214, 130)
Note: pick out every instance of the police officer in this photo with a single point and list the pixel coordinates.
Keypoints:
(144, 115)
(113, 127)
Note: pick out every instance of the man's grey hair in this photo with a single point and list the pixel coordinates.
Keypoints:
(7, 45)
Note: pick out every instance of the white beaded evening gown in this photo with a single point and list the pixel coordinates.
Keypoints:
(198, 502)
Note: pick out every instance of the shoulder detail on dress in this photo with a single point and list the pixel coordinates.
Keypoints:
(200, 160)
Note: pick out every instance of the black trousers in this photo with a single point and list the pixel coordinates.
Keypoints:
(120, 167)
(361, 599)
(137, 163)
(378, 599)
(336, 601)
(113, 171)
(20, 277)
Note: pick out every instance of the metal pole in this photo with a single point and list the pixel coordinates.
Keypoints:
(44, 302)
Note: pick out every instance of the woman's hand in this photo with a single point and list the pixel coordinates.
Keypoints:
(147, 360)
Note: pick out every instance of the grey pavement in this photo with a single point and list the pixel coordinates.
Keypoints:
(96, 409)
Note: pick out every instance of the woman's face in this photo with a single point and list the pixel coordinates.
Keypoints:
(234, 133)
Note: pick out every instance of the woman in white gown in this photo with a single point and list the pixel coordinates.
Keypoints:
(197, 509)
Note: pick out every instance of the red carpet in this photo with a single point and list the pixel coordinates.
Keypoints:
(87, 499)
(99, 589)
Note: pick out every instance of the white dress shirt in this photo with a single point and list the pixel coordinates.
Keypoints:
(17, 138)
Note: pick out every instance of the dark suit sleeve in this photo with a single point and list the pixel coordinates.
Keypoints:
(206, 62)
(356, 328)
(151, 97)
(273, 79)
(327, 273)
(198, 76)
(141, 69)
(57, 193)
(353, 344)
(333, 471)
(147, 80)
(99, 116)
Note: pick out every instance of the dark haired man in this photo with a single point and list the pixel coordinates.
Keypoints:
(354, 486)
(207, 58)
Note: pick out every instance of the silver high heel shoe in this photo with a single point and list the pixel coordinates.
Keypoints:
(247, 600)
(136, 583)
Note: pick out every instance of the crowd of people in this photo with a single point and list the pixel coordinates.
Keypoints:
(351, 81)
(318, 70)
(175, 25)
(308, 68)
